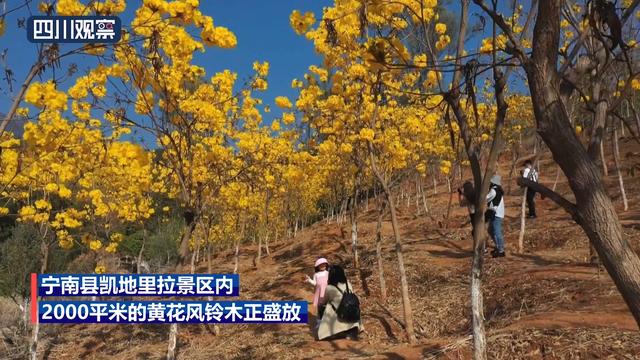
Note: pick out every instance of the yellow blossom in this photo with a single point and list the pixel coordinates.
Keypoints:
(301, 23)
(100, 269)
(283, 102)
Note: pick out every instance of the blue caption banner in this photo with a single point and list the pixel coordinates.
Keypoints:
(138, 285)
(74, 29)
(166, 312)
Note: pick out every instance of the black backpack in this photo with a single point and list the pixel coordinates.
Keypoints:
(499, 194)
(349, 308)
(490, 214)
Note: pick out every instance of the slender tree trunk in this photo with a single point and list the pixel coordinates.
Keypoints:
(555, 183)
(215, 329)
(383, 286)
(406, 302)
(435, 184)
(418, 194)
(184, 243)
(259, 256)
(139, 260)
(354, 230)
(198, 247)
(237, 257)
(635, 114)
(603, 160)
(25, 313)
(514, 161)
(209, 251)
(173, 328)
(192, 267)
(477, 299)
(33, 347)
(266, 244)
(522, 221)
(424, 200)
(616, 158)
(446, 219)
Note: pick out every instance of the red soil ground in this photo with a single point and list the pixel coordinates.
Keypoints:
(547, 303)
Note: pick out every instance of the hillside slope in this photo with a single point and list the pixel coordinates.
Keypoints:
(547, 303)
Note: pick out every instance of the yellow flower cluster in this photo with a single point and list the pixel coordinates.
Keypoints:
(46, 95)
(301, 22)
(283, 102)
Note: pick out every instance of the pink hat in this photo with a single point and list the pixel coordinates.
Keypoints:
(320, 262)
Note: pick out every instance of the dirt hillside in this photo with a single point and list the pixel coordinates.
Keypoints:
(547, 303)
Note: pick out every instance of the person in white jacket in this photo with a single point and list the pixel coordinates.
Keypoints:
(495, 215)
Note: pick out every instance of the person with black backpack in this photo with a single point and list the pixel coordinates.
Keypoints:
(341, 316)
(495, 215)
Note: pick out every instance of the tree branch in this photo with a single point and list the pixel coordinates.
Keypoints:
(567, 205)
(499, 20)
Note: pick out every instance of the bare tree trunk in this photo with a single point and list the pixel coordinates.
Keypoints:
(635, 114)
(215, 329)
(435, 184)
(237, 257)
(184, 243)
(616, 158)
(33, 347)
(603, 160)
(383, 286)
(450, 202)
(593, 209)
(514, 161)
(192, 267)
(353, 217)
(25, 313)
(477, 299)
(139, 260)
(417, 194)
(198, 246)
(406, 302)
(209, 250)
(522, 221)
(424, 200)
(354, 230)
(555, 183)
(266, 244)
(259, 255)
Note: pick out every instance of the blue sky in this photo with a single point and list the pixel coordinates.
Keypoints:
(261, 27)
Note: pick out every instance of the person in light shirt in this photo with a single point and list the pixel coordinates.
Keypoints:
(320, 279)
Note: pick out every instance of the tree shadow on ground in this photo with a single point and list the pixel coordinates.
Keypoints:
(385, 324)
